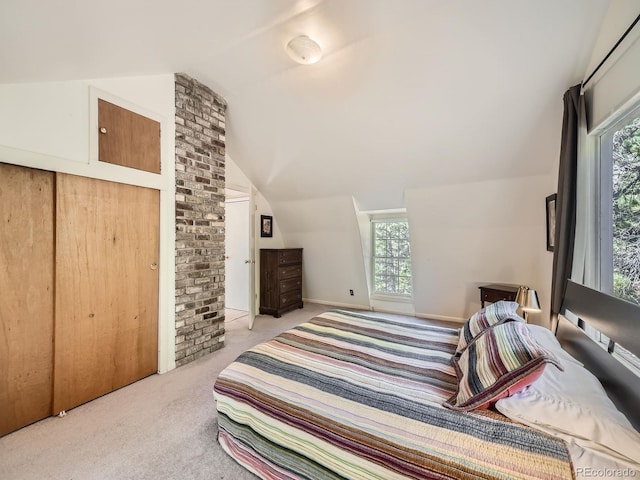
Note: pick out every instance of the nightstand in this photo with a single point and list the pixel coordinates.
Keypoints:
(495, 292)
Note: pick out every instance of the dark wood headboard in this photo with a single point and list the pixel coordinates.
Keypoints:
(620, 321)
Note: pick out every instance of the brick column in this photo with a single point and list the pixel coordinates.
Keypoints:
(200, 181)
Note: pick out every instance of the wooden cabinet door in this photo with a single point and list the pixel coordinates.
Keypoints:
(26, 295)
(128, 139)
(107, 241)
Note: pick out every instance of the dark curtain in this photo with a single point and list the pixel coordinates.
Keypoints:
(565, 203)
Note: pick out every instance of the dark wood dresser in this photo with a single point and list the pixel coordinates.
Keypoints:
(280, 280)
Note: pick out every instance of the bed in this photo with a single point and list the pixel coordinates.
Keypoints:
(348, 395)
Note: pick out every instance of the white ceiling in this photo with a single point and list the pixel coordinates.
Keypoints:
(410, 93)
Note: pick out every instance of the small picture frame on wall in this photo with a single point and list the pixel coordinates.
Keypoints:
(551, 221)
(266, 226)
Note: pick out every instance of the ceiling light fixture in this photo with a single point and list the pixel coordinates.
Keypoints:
(303, 50)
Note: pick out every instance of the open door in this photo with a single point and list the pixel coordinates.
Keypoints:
(252, 256)
(237, 278)
(240, 248)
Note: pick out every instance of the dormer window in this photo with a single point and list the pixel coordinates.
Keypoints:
(391, 269)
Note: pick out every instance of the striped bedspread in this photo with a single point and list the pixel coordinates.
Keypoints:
(348, 396)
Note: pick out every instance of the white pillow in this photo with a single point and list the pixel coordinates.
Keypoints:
(574, 403)
(549, 341)
(589, 463)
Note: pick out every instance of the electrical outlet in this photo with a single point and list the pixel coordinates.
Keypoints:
(351, 292)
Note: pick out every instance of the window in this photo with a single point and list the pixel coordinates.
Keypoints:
(620, 187)
(391, 257)
(620, 223)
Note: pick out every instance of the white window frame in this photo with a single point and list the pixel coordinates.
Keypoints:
(631, 361)
(388, 218)
(606, 199)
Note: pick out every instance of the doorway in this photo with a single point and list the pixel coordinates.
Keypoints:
(238, 257)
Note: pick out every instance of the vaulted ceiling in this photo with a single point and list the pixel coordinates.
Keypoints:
(409, 93)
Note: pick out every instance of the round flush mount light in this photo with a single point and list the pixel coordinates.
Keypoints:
(303, 50)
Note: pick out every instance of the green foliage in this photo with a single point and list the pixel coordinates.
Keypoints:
(623, 288)
(626, 211)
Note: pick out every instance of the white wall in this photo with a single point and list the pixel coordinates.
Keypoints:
(462, 236)
(619, 16)
(237, 180)
(616, 85)
(47, 118)
(327, 230)
(466, 235)
(53, 126)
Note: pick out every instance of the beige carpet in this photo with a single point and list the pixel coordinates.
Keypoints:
(231, 315)
(162, 427)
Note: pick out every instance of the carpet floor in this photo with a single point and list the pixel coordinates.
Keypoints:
(162, 427)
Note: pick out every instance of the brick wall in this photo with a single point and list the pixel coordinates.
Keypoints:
(200, 181)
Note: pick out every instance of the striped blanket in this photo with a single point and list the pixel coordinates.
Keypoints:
(348, 396)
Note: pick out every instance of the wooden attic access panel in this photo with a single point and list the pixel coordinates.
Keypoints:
(128, 139)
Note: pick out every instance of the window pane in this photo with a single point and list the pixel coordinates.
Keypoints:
(381, 230)
(626, 211)
(404, 285)
(393, 248)
(403, 250)
(381, 248)
(404, 268)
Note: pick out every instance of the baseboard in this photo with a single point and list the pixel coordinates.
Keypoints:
(431, 316)
(445, 318)
(337, 304)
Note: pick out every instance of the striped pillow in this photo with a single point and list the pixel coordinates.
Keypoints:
(499, 362)
(494, 314)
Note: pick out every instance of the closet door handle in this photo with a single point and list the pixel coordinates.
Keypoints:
(153, 266)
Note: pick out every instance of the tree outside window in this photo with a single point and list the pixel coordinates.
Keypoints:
(626, 211)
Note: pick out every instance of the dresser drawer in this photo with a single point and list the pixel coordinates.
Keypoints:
(289, 256)
(290, 284)
(290, 298)
(490, 295)
(291, 271)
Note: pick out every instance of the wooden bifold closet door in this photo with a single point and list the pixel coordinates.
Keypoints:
(107, 247)
(26, 295)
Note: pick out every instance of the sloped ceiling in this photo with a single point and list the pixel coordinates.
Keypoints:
(410, 93)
